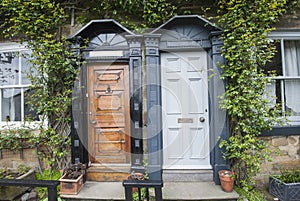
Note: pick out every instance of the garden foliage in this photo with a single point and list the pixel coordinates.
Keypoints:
(247, 49)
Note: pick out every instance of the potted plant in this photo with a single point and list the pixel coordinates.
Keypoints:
(72, 180)
(285, 186)
(227, 180)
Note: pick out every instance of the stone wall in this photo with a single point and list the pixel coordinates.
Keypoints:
(285, 153)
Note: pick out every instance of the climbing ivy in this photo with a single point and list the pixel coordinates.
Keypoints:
(134, 14)
(157, 11)
(37, 24)
(31, 19)
(247, 50)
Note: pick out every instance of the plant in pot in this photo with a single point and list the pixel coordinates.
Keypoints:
(285, 186)
(72, 180)
(227, 180)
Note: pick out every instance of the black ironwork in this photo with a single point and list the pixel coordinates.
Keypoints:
(146, 184)
(51, 185)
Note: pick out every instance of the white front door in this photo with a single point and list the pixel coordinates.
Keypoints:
(185, 110)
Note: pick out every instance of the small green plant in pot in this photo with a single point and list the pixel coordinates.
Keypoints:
(285, 186)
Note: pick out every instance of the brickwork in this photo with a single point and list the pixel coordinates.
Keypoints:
(11, 159)
(28, 157)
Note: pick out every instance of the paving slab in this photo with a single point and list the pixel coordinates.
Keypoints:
(196, 191)
(99, 191)
(171, 191)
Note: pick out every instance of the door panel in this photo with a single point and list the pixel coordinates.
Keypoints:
(174, 139)
(198, 146)
(109, 113)
(185, 110)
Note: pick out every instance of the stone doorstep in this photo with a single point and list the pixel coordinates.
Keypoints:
(171, 191)
(108, 173)
(187, 175)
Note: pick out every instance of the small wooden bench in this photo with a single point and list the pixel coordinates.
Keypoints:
(129, 184)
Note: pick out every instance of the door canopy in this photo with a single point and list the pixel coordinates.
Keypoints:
(104, 34)
(189, 31)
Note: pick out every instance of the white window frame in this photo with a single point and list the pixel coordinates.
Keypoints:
(286, 35)
(15, 47)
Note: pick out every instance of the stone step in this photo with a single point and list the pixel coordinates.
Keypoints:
(190, 191)
(187, 175)
(196, 191)
(108, 172)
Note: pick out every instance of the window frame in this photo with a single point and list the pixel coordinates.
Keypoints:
(15, 47)
(292, 127)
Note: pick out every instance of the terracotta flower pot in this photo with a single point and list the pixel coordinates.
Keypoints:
(227, 180)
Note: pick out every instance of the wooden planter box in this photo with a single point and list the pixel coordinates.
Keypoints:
(284, 191)
(70, 186)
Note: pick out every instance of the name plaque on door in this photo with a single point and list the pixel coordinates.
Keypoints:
(185, 120)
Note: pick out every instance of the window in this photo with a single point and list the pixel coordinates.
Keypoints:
(14, 84)
(286, 85)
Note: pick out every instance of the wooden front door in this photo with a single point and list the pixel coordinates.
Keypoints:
(108, 95)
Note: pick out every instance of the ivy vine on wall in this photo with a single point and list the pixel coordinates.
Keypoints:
(150, 12)
(246, 50)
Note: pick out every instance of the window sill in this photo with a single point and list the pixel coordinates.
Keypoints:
(283, 131)
(20, 124)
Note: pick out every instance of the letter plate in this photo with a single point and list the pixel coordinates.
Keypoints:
(185, 120)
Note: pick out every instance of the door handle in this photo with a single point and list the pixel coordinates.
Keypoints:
(202, 119)
(93, 122)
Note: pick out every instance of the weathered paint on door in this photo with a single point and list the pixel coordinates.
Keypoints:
(109, 132)
(185, 110)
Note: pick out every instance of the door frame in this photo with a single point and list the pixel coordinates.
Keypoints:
(80, 138)
(204, 35)
(129, 50)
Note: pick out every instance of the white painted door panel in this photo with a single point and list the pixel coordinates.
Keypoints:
(185, 103)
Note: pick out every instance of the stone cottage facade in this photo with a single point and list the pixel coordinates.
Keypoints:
(156, 95)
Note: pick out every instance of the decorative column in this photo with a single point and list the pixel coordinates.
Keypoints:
(79, 141)
(136, 101)
(219, 122)
(154, 113)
